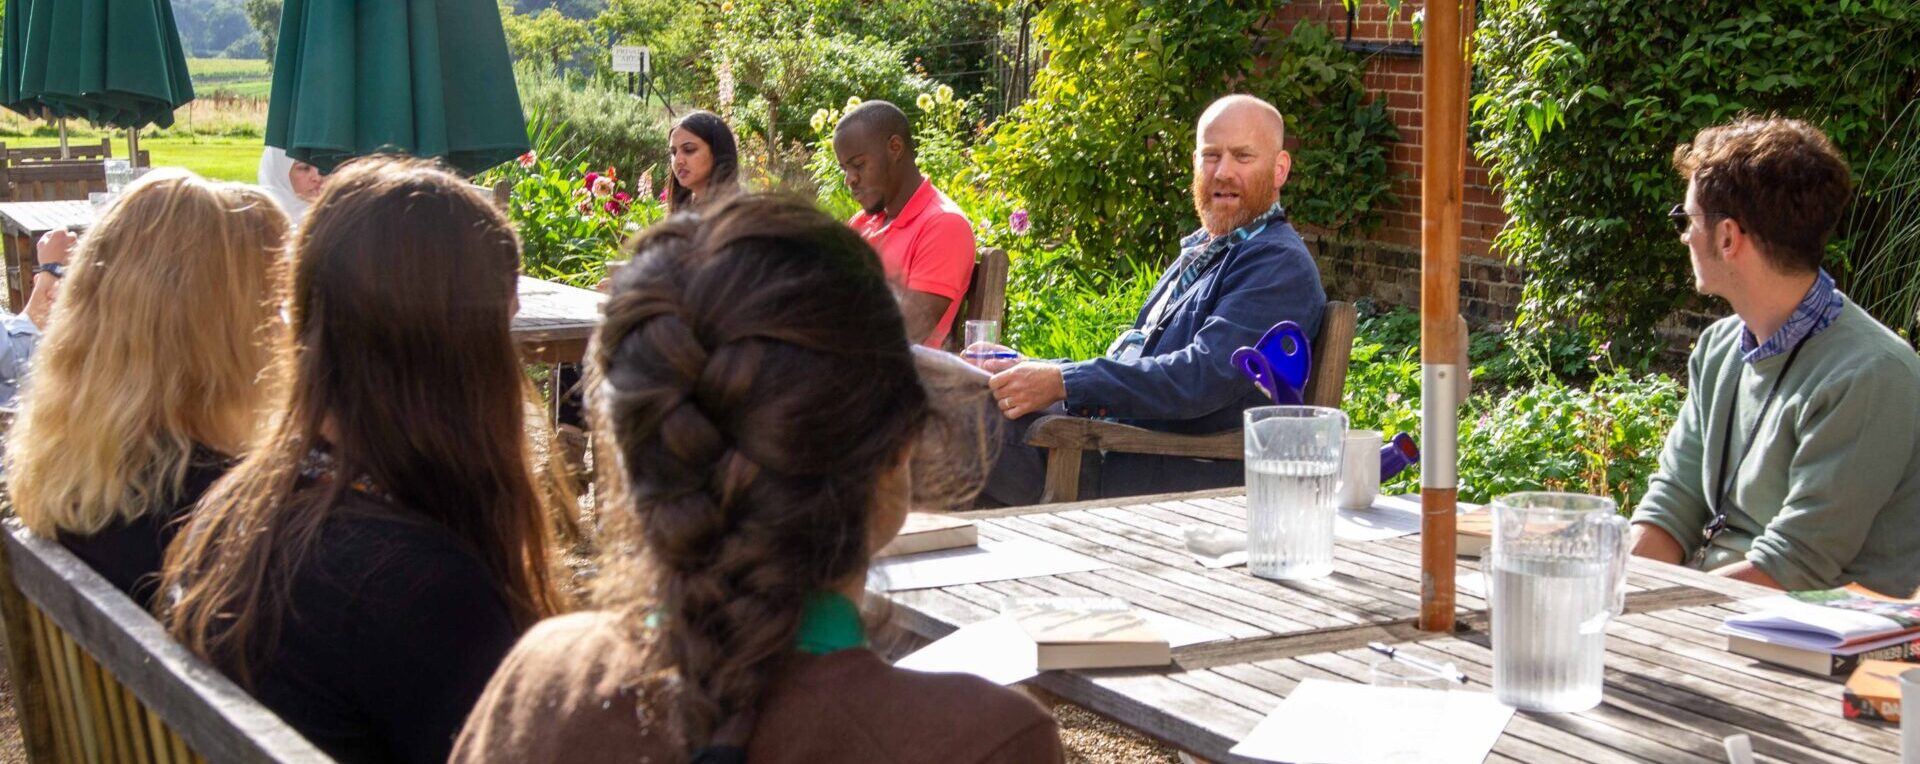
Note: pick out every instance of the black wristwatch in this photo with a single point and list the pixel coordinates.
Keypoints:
(58, 270)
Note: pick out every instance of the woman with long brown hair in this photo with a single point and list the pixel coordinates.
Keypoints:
(762, 400)
(369, 563)
(148, 383)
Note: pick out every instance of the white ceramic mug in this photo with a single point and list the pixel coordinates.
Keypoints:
(1359, 470)
(1910, 708)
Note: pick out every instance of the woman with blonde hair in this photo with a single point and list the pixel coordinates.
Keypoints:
(148, 382)
(367, 565)
(764, 408)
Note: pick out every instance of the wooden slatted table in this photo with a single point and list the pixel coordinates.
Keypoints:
(553, 325)
(21, 224)
(1673, 691)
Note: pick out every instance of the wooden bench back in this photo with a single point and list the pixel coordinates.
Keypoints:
(87, 151)
(58, 181)
(53, 180)
(96, 679)
(986, 298)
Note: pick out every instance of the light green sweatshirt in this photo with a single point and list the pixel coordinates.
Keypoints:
(1830, 493)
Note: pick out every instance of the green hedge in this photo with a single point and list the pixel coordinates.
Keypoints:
(600, 126)
(1102, 152)
(1581, 103)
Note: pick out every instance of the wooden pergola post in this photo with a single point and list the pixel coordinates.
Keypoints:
(1443, 153)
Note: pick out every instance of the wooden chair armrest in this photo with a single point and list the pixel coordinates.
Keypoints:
(1080, 433)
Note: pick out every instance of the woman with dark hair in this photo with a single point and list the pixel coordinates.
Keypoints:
(705, 164)
(755, 381)
(376, 554)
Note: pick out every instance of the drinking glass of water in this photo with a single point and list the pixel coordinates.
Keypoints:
(1293, 473)
(1559, 570)
(119, 174)
(984, 331)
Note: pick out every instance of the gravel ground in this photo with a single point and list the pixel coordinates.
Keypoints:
(1093, 739)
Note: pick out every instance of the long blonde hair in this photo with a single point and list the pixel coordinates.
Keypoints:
(159, 338)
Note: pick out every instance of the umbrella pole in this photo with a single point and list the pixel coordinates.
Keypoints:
(133, 147)
(65, 153)
(1442, 176)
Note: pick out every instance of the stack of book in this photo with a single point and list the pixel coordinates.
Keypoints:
(1828, 633)
(928, 532)
(1089, 632)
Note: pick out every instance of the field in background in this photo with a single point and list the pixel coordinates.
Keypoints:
(218, 135)
(238, 77)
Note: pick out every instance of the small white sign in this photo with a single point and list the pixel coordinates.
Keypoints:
(631, 58)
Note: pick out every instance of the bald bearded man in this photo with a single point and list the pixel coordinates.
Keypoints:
(1244, 270)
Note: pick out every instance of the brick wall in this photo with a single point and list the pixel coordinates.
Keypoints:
(1386, 265)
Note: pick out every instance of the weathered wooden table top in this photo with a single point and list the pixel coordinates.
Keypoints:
(35, 218)
(1673, 691)
(551, 312)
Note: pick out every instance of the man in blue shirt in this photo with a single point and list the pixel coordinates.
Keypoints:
(22, 330)
(1245, 270)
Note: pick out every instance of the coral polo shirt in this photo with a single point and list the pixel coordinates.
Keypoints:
(927, 248)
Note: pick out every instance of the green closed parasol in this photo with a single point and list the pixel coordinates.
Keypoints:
(431, 78)
(115, 62)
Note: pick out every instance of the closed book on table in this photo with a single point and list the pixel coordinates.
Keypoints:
(929, 532)
(1824, 663)
(1873, 692)
(1074, 633)
(1473, 533)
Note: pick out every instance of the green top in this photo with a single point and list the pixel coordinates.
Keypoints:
(830, 623)
(1829, 493)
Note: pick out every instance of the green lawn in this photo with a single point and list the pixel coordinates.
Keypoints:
(212, 157)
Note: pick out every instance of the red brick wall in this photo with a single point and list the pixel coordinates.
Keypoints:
(1385, 265)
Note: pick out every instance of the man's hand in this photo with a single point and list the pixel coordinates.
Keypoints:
(1028, 387)
(54, 246)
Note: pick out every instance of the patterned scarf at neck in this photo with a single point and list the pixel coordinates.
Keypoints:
(319, 466)
(1201, 252)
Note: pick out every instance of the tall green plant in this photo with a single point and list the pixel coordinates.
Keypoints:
(1583, 102)
(1885, 273)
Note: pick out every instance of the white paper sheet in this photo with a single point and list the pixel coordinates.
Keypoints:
(1389, 517)
(998, 650)
(1324, 722)
(990, 561)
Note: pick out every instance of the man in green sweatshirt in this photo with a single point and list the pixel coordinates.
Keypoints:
(1795, 462)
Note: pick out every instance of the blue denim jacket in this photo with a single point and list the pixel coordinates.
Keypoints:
(1184, 380)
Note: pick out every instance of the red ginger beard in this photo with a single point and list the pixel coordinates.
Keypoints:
(1253, 200)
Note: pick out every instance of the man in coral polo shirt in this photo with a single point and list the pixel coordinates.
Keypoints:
(923, 238)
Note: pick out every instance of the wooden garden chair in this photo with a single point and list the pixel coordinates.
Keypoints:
(96, 679)
(1066, 437)
(986, 298)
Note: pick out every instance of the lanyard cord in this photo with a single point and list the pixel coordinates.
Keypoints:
(1725, 478)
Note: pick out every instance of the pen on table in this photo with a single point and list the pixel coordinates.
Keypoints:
(1425, 665)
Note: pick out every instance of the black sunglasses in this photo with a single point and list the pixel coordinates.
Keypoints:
(1682, 219)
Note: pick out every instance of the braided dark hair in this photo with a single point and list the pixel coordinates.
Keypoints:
(755, 377)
